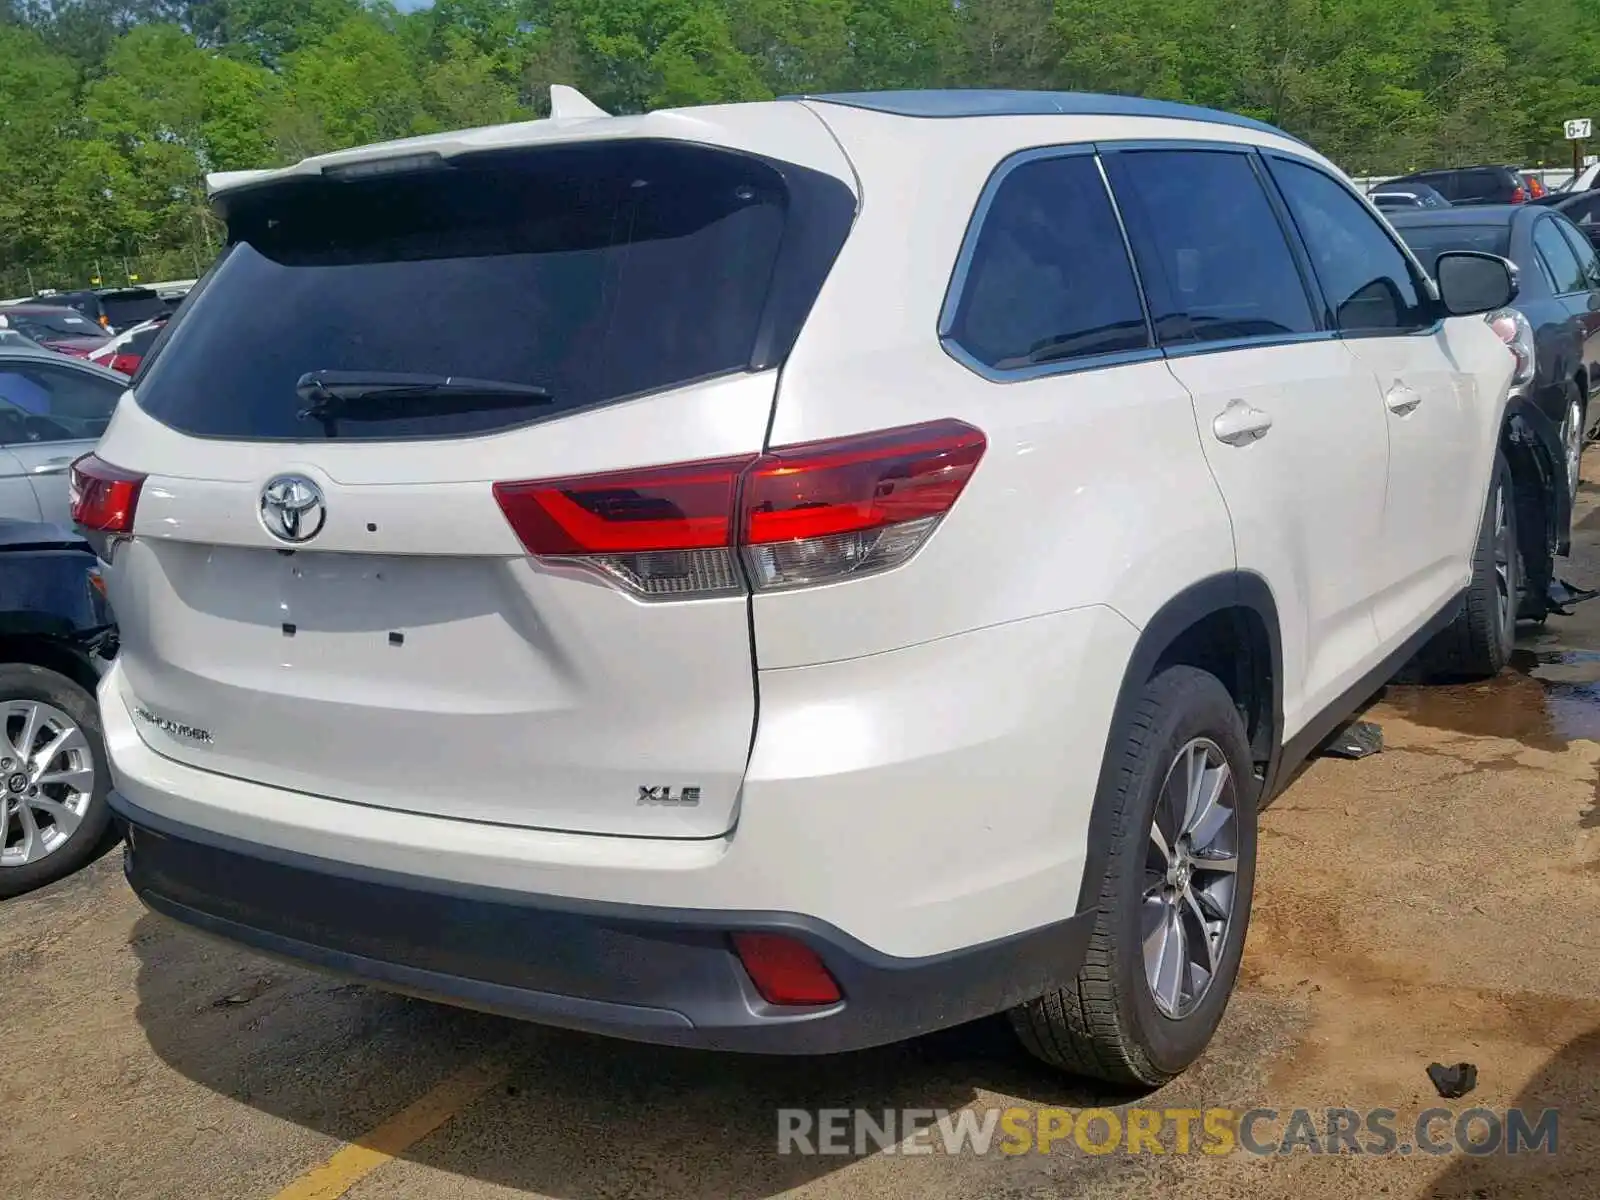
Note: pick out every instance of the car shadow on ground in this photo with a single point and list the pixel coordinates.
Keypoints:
(577, 1117)
(1569, 1083)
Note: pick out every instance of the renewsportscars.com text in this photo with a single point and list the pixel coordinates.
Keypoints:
(1210, 1131)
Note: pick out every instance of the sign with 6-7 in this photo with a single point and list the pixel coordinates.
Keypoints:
(1580, 130)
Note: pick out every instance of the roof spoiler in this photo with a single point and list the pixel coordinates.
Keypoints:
(217, 181)
(566, 104)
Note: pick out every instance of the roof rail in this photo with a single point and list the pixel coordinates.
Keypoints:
(999, 102)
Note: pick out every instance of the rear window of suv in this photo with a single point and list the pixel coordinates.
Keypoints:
(126, 309)
(595, 271)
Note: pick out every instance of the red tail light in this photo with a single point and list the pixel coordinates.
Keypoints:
(852, 506)
(662, 532)
(1518, 196)
(784, 970)
(103, 496)
(798, 515)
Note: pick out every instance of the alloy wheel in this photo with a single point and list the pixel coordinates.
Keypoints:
(47, 778)
(1504, 556)
(1191, 869)
(1572, 443)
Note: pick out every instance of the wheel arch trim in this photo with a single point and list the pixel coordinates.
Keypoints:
(1216, 593)
(1526, 434)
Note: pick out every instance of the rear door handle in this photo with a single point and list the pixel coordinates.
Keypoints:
(1402, 399)
(1240, 423)
(51, 466)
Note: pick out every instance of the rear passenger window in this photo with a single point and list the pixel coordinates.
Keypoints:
(1565, 269)
(1368, 281)
(1214, 260)
(1049, 277)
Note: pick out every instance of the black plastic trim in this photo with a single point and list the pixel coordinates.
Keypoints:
(1230, 589)
(1526, 423)
(649, 974)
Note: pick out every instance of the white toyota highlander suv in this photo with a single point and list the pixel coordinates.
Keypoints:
(791, 576)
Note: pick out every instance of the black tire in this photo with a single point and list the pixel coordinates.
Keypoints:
(1107, 1024)
(1477, 644)
(89, 839)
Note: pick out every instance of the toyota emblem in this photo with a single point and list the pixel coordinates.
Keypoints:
(292, 509)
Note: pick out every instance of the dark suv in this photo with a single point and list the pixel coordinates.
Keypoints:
(113, 309)
(1472, 185)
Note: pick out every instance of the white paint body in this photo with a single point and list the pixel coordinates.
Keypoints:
(929, 739)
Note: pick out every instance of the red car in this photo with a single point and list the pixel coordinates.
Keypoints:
(55, 327)
(127, 350)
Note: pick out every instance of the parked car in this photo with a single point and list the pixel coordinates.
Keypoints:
(1403, 196)
(1583, 181)
(1473, 185)
(15, 340)
(1583, 210)
(126, 351)
(64, 330)
(1553, 330)
(113, 309)
(56, 637)
(173, 291)
(52, 409)
(1029, 653)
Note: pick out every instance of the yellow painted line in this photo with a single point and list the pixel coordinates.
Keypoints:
(332, 1179)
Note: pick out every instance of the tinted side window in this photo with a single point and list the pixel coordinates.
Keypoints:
(1584, 249)
(1444, 183)
(1565, 269)
(1584, 212)
(53, 404)
(1368, 281)
(1214, 260)
(1484, 185)
(1049, 278)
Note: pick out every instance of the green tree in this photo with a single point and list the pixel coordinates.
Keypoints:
(38, 89)
(356, 85)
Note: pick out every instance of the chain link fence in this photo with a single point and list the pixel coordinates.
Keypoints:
(18, 281)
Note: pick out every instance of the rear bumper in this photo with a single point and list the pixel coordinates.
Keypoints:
(650, 974)
(921, 801)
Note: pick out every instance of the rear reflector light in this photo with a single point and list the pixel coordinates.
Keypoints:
(103, 496)
(1519, 196)
(801, 514)
(785, 971)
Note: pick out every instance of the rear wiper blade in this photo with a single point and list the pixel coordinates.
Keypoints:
(388, 395)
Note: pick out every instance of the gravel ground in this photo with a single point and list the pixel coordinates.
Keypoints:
(1432, 903)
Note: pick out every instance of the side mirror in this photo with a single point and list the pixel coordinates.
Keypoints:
(1471, 282)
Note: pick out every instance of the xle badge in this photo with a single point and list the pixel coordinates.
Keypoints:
(686, 797)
